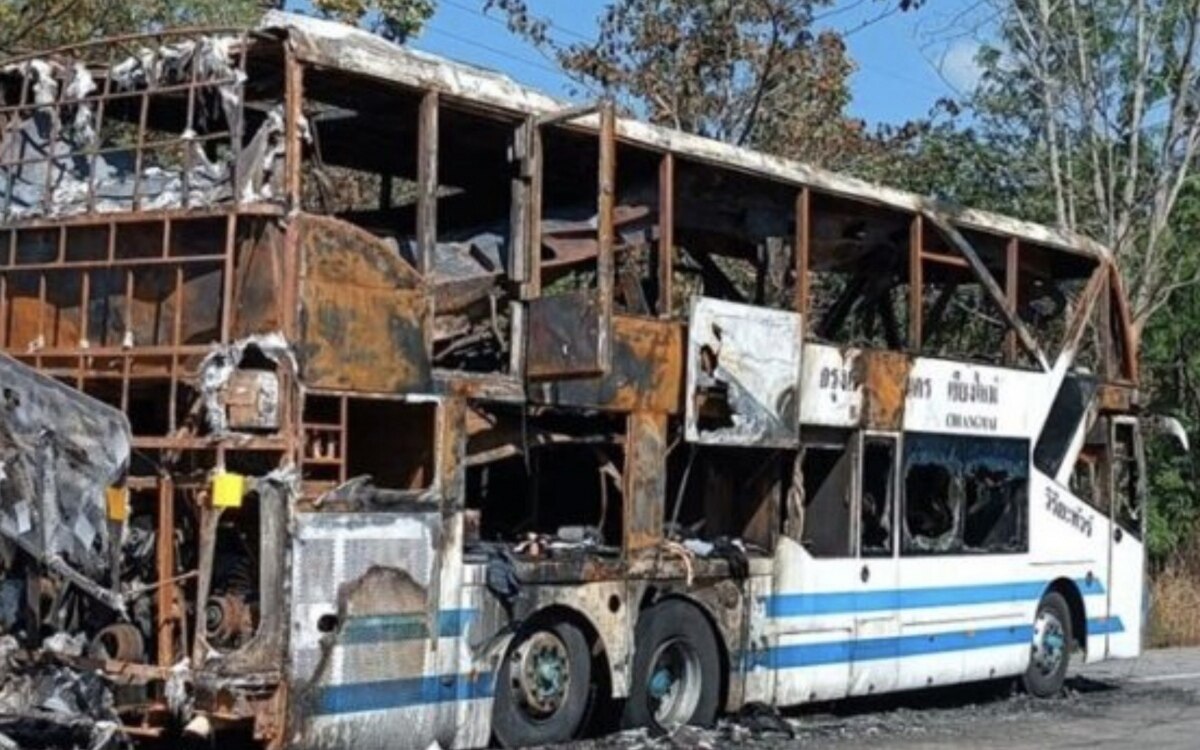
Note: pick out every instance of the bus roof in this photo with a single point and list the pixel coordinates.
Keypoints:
(341, 47)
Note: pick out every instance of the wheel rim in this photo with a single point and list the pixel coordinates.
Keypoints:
(674, 683)
(540, 675)
(1049, 643)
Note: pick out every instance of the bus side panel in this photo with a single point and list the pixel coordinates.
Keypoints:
(375, 648)
(810, 644)
(1069, 539)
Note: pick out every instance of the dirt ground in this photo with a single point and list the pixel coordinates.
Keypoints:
(1152, 702)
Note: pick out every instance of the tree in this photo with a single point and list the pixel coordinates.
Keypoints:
(41, 24)
(1107, 92)
(751, 73)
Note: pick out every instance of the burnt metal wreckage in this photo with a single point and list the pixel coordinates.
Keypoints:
(314, 337)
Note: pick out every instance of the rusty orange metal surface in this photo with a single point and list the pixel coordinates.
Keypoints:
(364, 314)
(647, 371)
(884, 377)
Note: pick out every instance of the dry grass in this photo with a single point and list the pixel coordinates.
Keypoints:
(1175, 592)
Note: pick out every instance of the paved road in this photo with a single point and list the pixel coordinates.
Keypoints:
(1149, 703)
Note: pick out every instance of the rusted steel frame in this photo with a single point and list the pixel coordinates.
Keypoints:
(427, 181)
(142, 217)
(268, 444)
(4, 311)
(537, 153)
(666, 233)
(41, 328)
(127, 362)
(1129, 333)
(190, 260)
(176, 335)
(227, 284)
(1077, 325)
(802, 244)
(293, 111)
(140, 154)
(152, 145)
(103, 352)
(187, 128)
(160, 36)
(644, 479)
(206, 543)
(109, 95)
(1108, 365)
(238, 129)
(984, 276)
(12, 174)
(85, 293)
(94, 151)
(571, 113)
(1012, 265)
(605, 263)
(916, 283)
(164, 595)
(51, 159)
(945, 260)
(520, 190)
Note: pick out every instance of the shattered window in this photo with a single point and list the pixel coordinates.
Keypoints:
(1084, 482)
(965, 494)
(875, 529)
(828, 487)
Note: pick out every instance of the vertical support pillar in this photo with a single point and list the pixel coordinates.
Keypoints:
(916, 283)
(803, 248)
(1011, 271)
(165, 567)
(533, 287)
(605, 265)
(521, 186)
(294, 111)
(666, 233)
(645, 480)
(427, 181)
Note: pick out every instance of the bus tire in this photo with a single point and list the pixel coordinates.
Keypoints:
(676, 669)
(543, 686)
(1050, 652)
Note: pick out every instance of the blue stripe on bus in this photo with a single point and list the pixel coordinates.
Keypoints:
(899, 647)
(383, 695)
(452, 623)
(1105, 626)
(846, 602)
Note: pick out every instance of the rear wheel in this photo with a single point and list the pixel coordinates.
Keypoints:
(676, 669)
(543, 686)
(1050, 653)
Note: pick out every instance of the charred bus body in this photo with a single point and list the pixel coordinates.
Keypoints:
(457, 413)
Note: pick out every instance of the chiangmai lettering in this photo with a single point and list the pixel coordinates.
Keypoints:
(976, 392)
(977, 422)
(1079, 520)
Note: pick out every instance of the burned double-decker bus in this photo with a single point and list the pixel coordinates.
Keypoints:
(421, 406)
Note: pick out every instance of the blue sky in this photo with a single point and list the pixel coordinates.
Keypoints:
(906, 61)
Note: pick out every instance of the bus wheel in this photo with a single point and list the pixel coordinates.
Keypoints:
(676, 669)
(1051, 649)
(542, 687)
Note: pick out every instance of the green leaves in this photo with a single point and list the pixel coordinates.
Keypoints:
(752, 73)
(27, 25)
(397, 20)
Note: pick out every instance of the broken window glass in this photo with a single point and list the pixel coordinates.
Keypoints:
(1083, 482)
(1126, 479)
(828, 491)
(965, 494)
(875, 529)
